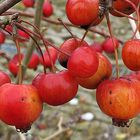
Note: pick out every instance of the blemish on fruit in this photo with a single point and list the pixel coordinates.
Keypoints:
(128, 8)
(23, 99)
(33, 100)
(110, 102)
(110, 92)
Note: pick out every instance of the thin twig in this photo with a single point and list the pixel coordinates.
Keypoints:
(115, 49)
(37, 45)
(51, 21)
(21, 136)
(44, 42)
(59, 131)
(134, 26)
(37, 23)
(3, 54)
(7, 4)
(66, 27)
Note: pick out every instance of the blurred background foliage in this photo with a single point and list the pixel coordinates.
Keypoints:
(80, 119)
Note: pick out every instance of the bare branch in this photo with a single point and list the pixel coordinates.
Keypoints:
(7, 4)
(59, 131)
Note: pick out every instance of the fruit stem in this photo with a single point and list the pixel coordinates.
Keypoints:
(134, 26)
(19, 81)
(138, 16)
(4, 55)
(114, 45)
(86, 32)
(47, 49)
(38, 36)
(59, 50)
(37, 45)
(37, 22)
(125, 15)
(66, 27)
(45, 44)
(29, 15)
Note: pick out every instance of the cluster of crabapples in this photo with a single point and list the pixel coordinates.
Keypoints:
(85, 65)
(116, 97)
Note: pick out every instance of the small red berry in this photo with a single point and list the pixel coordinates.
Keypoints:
(131, 54)
(97, 47)
(34, 61)
(28, 3)
(14, 63)
(20, 105)
(108, 45)
(81, 12)
(123, 6)
(119, 99)
(53, 55)
(47, 8)
(4, 78)
(9, 28)
(69, 46)
(56, 89)
(22, 35)
(2, 37)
